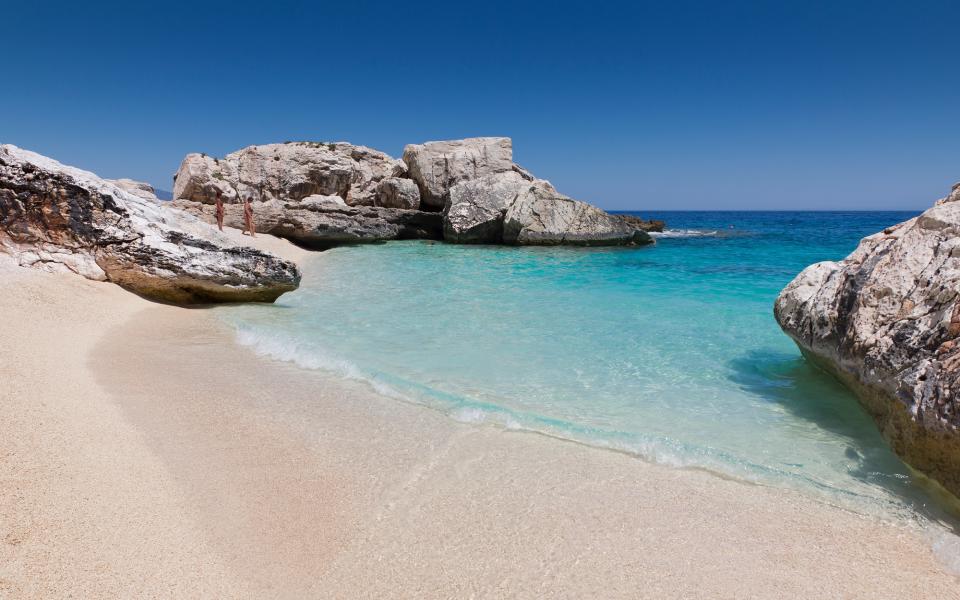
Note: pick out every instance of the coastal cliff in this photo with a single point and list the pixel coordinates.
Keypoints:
(886, 321)
(460, 191)
(64, 219)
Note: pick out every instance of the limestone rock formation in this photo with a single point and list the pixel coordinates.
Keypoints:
(61, 218)
(394, 192)
(287, 172)
(886, 321)
(474, 213)
(438, 166)
(322, 224)
(542, 216)
(137, 188)
(474, 181)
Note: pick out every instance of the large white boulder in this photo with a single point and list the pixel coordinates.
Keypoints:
(886, 321)
(62, 218)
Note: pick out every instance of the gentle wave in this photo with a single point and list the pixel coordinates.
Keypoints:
(661, 451)
(685, 233)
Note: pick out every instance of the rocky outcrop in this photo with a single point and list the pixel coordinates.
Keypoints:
(886, 321)
(474, 212)
(487, 198)
(438, 166)
(61, 218)
(509, 208)
(137, 188)
(320, 222)
(542, 216)
(648, 225)
(287, 172)
(394, 192)
(474, 181)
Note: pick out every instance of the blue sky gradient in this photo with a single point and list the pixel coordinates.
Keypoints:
(667, 105)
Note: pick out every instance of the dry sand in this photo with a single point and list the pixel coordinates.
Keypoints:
(144, 454)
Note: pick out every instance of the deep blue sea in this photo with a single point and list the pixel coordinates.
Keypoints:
(668, 352)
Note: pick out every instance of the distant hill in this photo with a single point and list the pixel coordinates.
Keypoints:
(163, 194)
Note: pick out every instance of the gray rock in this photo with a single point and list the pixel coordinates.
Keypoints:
(474, 212)
(438, 166)
(64, 219)
(287, 172)
(886, 321)
(323, 225)
(394, 192)
(542, 216)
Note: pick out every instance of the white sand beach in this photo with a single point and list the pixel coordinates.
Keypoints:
(145, 454)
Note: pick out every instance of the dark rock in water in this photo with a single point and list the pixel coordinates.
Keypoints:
(886, 321)
(654, 225)
(60, 218)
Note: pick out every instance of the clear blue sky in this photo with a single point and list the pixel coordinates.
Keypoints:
(693, 105)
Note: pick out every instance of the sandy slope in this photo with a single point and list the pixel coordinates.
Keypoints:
(143, 454)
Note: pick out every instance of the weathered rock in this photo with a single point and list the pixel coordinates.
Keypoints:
(474, 213)
(137, 188)
(647, 225)
(542, 216)
(394, 192)
(61, 218)
(324, 224)
(475, 181)
(886, 321)
(287, 172)
(438, 166)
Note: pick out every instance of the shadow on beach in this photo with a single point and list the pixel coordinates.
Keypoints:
(816, 396)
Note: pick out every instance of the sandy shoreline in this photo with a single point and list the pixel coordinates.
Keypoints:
(145, 454)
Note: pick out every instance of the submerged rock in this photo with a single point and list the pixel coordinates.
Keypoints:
(886, 321)
(61, 218)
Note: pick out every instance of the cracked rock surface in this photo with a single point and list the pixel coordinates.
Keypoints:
(886, 321)
(64, 219)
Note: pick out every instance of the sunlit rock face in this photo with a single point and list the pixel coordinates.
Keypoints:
(886, 321)
(60, 218)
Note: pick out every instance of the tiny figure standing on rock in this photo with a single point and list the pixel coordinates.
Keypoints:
(248, 216)
(219, 211)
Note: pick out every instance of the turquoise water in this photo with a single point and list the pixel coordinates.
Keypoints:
(668, 352)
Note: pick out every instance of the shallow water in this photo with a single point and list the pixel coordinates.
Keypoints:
(668, 352)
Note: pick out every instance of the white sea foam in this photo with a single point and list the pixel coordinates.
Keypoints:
(684, 233)
(286, 349)
(946, 547)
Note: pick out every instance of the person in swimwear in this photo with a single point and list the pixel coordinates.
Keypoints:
(248, 216)
(219, 211)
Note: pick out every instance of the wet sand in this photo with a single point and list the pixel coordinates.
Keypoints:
(145, 454)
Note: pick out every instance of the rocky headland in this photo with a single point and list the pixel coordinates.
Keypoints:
(460, 191)
(886, 321)
(65, 219)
